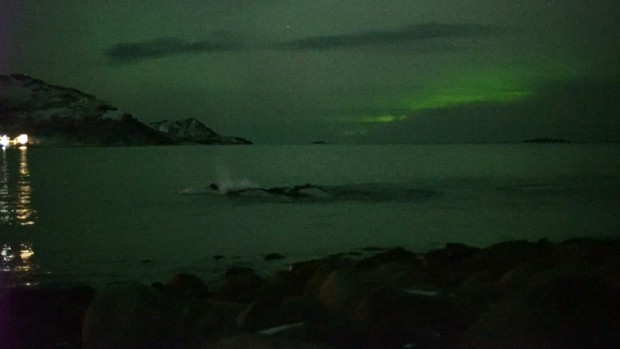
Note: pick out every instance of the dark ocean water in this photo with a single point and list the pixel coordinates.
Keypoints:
(100, 215)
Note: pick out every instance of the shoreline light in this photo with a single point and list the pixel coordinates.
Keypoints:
(20, 140)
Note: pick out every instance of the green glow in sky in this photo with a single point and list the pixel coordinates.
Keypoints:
(452, 98)
(490, 86)
(297, 72)
(454, 90)
(381, 119)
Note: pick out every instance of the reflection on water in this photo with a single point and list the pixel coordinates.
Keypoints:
(4, 190)
(24, 212)
(15, 190)
(16, 260)
(16, 214)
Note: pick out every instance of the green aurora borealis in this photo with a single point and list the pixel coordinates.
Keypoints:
(292, 71)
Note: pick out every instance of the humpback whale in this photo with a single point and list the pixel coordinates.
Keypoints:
(296, 192)
(369, 192)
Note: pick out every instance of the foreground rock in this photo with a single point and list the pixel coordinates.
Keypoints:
(567, 297)
(569, 308)
(42, 318)
(138, 316)
(516, 294)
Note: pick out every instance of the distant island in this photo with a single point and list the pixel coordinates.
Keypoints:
(546, 140)
(60, 116)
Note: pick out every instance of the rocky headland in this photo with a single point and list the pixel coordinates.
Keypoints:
(546, 140)
(192, 131)
(516, 294)
(60, 116)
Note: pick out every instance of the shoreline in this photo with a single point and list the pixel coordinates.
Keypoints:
(456, 296)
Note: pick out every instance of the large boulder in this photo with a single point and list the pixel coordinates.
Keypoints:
(187, 285)
(571, 307)
(314, 273)
(398, 254)
(501, 257)
(576, 253)
(240, 285)
(395, 318)
(138, 316)
(395, 267)
(133, 317)
(441, 262)
(458, 263)
(341, 290)
(261, 315)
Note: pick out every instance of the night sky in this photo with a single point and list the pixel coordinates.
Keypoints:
(354, 71)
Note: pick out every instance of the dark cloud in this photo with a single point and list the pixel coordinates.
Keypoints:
(385, 37)
(130, 52)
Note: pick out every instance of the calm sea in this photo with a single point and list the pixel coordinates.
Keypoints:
(102, 215)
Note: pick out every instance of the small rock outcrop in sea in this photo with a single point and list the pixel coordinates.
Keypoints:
(515, 294)
(273, 256)
(546, 140)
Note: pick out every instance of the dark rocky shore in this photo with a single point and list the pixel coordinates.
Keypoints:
(516, 294)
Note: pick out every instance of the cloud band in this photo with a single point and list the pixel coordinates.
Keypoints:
(163, 47)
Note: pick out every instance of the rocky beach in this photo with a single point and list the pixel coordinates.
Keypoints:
(515, 294)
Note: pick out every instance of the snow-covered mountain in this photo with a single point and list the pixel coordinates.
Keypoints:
(193, 131)
(56, 115)
(26, 98)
